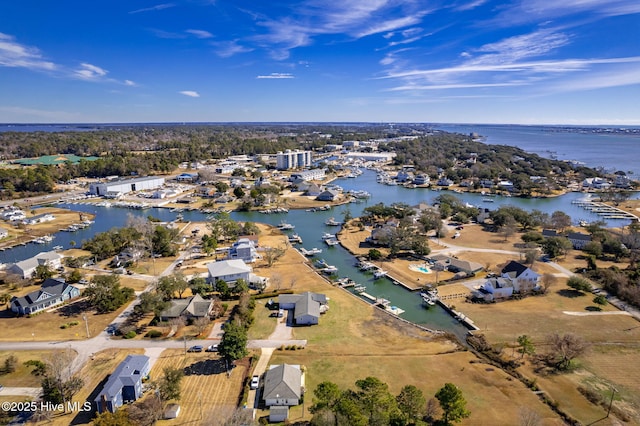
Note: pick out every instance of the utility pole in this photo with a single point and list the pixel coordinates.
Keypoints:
(86, 324)
(613, 392)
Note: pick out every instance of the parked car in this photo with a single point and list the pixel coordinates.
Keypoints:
(212, 348)
(196, 348)
(255, 382)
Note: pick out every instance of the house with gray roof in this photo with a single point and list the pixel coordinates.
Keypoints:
(27, 267)
(282, 385)
(244, 249)
(328, 195)
(191, 307)
(53, 292)
(307, 306)
(124, 385)
(230, 271)
(579, 240)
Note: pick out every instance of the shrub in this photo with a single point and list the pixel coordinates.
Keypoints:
(130, 335)
(153, 334)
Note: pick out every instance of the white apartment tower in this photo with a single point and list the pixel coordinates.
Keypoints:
(293, 159)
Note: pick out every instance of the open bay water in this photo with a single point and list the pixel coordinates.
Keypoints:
(612, 151)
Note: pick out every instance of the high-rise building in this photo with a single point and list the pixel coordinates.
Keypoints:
(293, 159)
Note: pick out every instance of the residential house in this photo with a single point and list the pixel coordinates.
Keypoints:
(27, 267)
(402, 176)
(191, 307)
(506, 185)
(187, 177)
(307, 306)
(328, 195)
(523, 278)
(245, 250)
(550, 233)
(228, 271)
(124, 385)
(53, 292)
(452, 264)
(421, 180)
(497, 288)
(443, 181)
(313, 190)
(579, 240)
(283, 385)
(41, 218)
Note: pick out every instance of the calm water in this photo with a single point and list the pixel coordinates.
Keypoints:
(310, 226)
(615, 151)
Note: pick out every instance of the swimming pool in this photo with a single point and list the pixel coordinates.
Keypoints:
(420, 268)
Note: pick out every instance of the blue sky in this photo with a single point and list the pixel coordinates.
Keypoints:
(465, 61)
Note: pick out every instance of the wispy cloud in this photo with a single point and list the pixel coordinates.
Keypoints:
(129, 83)
(166, 34)
(276, 75)
(190, 93)
(200, 33)
(89, 72)
(470, 5)
(14, 54)
(226, 49)
(153, 8)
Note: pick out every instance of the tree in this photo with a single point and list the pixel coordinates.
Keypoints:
(556, 246)
(59, 384)
(169, 386)
(151, 302)
(452, 403)
(145, 412)
(201, 324)
(528, 417)
(234, 341)
(526, 346)
(272, 254)
(579, 284)
(374, 254)
(10, 364)
(106, 295)
(43, 272)
(326, 394)
(119, 418)
(199, 285)
(508, 228)
(560, 220)
(565, 348)
(547, 280)
(377, 403)
(162, 241)
(411, 403)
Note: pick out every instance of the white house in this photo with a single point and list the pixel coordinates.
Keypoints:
(282, 385)
(41, 218)
(307, 306)
(497, 288)
(522, 278)
(27, 267)
(228, 271)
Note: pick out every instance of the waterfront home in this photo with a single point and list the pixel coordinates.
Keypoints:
(497, 288)
(402, 176)
(443, 181)
(550, 233)
(230, 271)
(328, 195)
(421, 179)
(124, 384)
(455, 265)
(245, 250)
(522, 278)
(27, 267)
(283, 385)
(596, 183)
(307, 175)
(189, 308)
(507, 185)
(53, 292)
(578, 240)
(307, 306)
(41, 218)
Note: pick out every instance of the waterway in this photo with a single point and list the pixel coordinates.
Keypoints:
(310, 226)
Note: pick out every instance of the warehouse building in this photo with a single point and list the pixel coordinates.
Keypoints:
(126, 186)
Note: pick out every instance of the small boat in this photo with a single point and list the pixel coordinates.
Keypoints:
(284, 226)
(427, 301)
(295, 238)
(330, 270)
(488, 200)
(379, 273)
(314, 251)
(332, 242)
(359, 288)
(57, 247)
(327, 236)
(332, 222)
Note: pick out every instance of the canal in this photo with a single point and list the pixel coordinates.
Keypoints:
(311, 225)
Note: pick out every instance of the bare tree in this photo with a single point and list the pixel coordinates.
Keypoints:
(276, 280)
(529, 417)
(201, 324)
(272, 254)
(433, 410)
(565, 348)
(547, 281)
(292, 281)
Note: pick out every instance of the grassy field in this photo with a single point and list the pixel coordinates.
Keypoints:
(22, 377)
(209, 395)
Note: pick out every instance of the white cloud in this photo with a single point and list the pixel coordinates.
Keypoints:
(226, 49)
(276, 75)
(129, 83)
(200, 33)
(89, 72)
(14, 54)
(190, 93)
(153, 8)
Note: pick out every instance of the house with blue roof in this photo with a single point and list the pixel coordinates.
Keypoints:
(124, 385)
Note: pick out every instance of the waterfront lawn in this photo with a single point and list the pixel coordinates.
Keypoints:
(492, 396)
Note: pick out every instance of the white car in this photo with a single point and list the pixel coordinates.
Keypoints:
(255, 382)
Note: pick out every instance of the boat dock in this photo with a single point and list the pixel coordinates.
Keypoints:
(604, 210)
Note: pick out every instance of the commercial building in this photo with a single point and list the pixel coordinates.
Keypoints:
(126, 186)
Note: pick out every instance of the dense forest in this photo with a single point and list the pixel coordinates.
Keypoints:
(145, 150)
